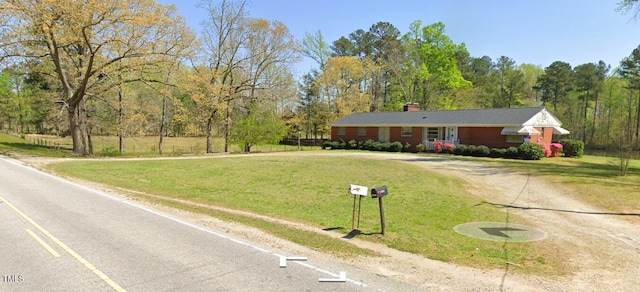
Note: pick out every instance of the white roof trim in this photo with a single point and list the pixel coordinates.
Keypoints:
(560, 131)
(543, 119)
(526, 131)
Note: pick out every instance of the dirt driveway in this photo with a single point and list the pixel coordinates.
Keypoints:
(604, 249)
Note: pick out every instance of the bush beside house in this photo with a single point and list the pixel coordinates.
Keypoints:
(526, 151)
(572, 148)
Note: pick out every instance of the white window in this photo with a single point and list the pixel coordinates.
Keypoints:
(342, 131)
(433, 134)
(362, 131)
(405, 131)
(515, 139)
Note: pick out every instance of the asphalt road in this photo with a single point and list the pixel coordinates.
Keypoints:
(57, 235)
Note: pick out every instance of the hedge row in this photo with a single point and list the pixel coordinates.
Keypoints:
(527, 151)
(366, 145)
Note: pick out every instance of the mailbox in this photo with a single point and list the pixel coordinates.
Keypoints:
(358, 190)
(379, 192)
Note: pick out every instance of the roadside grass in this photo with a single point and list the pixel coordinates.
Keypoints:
(54, 146)
(592, 179)
(421, 209)
(310, 239)
(9, 143)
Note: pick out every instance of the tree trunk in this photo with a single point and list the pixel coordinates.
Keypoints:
(593, 122)
(83, 124)
(584, 127)
(162, 117)
(227, 127)
(210, 134)
(120, 123)
(638, 122)
(79, 148)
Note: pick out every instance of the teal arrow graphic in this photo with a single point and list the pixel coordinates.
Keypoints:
(499, 231)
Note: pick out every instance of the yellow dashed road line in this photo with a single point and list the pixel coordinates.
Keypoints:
(75, 255)
(44, 244)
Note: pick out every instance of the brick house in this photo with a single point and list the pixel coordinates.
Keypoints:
(493, 127)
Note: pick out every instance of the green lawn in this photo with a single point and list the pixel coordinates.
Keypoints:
(421, 209)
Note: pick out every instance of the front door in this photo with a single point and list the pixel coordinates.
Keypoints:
(452, 134)
(383, 134)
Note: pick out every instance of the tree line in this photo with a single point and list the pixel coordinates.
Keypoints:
(131, 68)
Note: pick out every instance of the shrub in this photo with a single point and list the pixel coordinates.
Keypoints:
(406, 147)
(327, 144)
(460, 149)
(449, 148)
(547, 150)
(369, 145)
(471, 149)
(110, 152)
(437, 147)
(353, 144)
(342, 144)
(530, 151)
(572, 148)
(481, 151)
(395, 147)
(377, 146)
(556, 148)
(421, 148)
(497, 152)
(511, 152)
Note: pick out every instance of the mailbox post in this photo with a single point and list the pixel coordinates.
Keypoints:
(380, 192)
(357, 191)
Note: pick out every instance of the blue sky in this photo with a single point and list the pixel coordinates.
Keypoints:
(529, 31)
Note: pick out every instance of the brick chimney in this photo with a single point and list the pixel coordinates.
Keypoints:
(411, 107)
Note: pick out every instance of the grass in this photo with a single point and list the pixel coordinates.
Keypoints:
(54, 146)
(421, 210)
(9, 143)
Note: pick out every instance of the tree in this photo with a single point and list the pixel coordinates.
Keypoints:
(7, 108)
(343, 47)
(556, 83)
(531, 73)
(434, 57)
(261, 125)
(589, 82)
(630, 70)
(314, 111)
(316, 48)
(511, 83)
(87, 41)
(240, 58)
(629, 6)
(340, 85)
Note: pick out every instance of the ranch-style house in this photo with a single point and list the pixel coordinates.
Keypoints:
(493, 127)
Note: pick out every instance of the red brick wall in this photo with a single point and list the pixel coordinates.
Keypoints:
(395, 134)
(489, 137)
(351, 133)
(545, 137)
